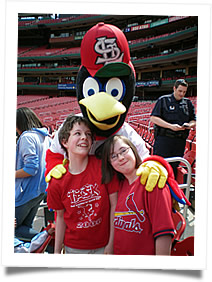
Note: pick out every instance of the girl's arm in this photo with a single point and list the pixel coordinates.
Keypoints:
(60, 227)
(113, 202)
(163, 245)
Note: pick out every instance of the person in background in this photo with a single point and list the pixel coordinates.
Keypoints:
(143, 223)
(32, 144)
(173, 116)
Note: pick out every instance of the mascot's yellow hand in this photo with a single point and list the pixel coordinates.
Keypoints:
(152, 173)
(57, 171)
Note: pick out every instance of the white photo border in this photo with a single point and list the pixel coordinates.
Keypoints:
(9, 258)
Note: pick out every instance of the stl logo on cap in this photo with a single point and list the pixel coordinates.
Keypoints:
(104, 44)
(108, 49)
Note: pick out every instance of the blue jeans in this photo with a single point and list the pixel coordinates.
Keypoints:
(25, 215)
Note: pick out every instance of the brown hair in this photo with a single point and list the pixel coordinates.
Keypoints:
(107, 170)
(179, 82)
(64, 131)
(26, 119)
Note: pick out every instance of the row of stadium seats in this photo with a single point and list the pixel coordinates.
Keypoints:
(140, 40)
(40, 51)
(51, 112)
(138, 114)
(26, 99)
(44, 51)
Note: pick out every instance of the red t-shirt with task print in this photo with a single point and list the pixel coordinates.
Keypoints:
(86, 204)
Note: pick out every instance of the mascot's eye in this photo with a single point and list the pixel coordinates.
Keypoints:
(116, 88)
(90, 87)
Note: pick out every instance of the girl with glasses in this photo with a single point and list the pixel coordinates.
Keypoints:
(143, 222)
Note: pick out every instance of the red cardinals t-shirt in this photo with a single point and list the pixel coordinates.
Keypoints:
(141, 217)
(86, 204)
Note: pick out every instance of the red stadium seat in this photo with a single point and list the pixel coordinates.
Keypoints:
(184, 247)
(180, 225)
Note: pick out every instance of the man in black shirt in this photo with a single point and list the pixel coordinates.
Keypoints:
(173, 116)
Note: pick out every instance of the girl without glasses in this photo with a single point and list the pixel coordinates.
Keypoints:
(84, 206)
(30, 185)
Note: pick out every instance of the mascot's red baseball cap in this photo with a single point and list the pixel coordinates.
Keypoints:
(105, 51)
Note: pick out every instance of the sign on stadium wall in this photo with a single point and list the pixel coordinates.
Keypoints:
(139, 27)
(154, 24)
(66, 86)
(150, 83)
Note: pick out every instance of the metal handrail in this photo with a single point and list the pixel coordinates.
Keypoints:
(188, 180)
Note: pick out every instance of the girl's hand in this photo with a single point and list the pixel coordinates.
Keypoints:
(108, 249)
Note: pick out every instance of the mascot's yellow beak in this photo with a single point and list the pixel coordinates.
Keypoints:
(103, 106)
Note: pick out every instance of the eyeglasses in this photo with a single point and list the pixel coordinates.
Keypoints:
(123, 152)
